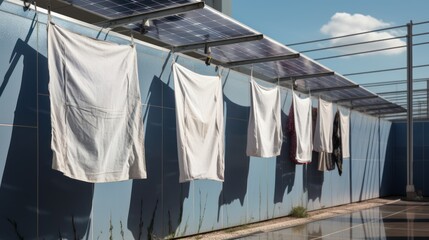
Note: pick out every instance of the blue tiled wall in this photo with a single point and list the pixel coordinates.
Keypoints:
(398, 152)
(36, 201)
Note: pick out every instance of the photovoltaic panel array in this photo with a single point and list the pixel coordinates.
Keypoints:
(207, 25)
(112, 9)
(249, 50)
(322, 82)
(196, 26)
(288, 68)
(356, 94)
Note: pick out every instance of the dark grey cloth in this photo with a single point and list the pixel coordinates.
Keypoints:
(337, 156)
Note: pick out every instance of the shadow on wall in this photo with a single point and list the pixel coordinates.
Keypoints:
(156, 206)
(368, 181)
(285, 168)
(63, 204)
(313, 179)
(234, 186)
(388, 181)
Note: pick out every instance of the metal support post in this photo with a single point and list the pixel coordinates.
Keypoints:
(427, 98)
(411, 193)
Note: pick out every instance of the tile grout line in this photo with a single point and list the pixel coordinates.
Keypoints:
(37, 121)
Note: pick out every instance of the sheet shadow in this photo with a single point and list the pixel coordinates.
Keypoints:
(237, 162)
(386, 186)
(313, 179)
(285, 168)
(31, 193)
(156, 206)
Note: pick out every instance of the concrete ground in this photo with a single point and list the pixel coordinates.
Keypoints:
(382, 218)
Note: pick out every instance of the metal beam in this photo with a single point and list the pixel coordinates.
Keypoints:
(194, 46)
(260, 60)
(389, 114)
(305, 76)
(382, 108)
(419, 103)
(317, 90)
(355, 98)
(386, 115)
(159, 13)
(402, 91)
(366, 105)
(373, 108)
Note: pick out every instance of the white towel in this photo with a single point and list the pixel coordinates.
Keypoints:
(345, 131)
(302, 112)
(199, 119)
(96, 113)
(324, 127)
(264, 132)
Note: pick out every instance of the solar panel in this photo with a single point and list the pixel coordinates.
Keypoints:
(387, 110)
(119, 8)
(322, 82)
(370, 102)
(205, 25)
(347, 94)
(248, 50)
(288, 68)
(196, 26)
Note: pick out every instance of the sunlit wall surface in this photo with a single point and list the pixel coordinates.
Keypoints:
(37, 201)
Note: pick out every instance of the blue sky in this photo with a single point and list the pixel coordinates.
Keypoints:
(297, 21)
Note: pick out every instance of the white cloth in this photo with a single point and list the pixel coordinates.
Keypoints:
(96, 113)
(199, 120)
(324, 127)
(264, 132)
(345, 131)
(303, 124)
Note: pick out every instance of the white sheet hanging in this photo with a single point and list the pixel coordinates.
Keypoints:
(303, 122)
(324, 126)
(199, 119)
(345, 130)
(264, 132)
(96, 113)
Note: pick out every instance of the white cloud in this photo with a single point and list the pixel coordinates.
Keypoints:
(346, 23)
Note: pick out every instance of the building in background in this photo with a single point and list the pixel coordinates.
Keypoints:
(224, 6)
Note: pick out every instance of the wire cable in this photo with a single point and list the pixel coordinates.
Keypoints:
(402, 91)
(344, 36)
(420, 34)
(359, 53)
(352, 44)
(420, 23)
(366, 52)
(419, 44)
(355, 34)
(384, 70)
(394, 82)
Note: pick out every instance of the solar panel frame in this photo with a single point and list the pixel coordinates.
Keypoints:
(119, 8)
(323, 82)
(207, 24)
(201, 25)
